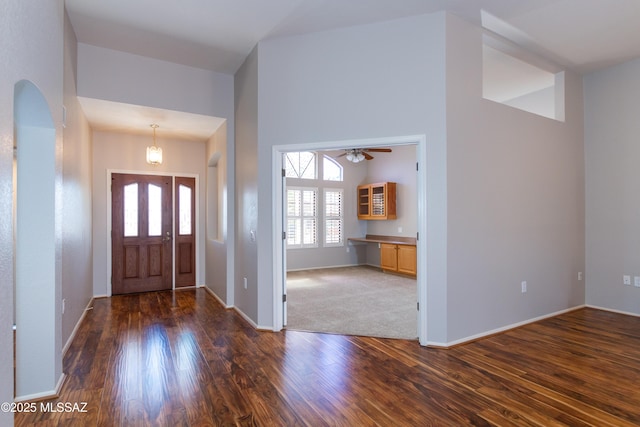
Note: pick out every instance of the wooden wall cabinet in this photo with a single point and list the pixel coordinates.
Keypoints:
(377, 201)
(398, 258)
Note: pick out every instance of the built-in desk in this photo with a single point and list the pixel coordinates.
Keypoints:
(397, 254)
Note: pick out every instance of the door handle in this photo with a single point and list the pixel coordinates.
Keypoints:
(167, 238)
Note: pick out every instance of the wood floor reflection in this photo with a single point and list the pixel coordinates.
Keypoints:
(181, 359)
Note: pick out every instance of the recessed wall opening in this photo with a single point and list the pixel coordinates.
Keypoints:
(37, 336)
(214, 199)
(514, 76)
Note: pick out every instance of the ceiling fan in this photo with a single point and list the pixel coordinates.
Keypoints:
(357, 155)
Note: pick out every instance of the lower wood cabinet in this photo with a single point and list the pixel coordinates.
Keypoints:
(389, 256)
(398, 258)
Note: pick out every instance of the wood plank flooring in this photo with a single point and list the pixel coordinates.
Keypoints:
(180, 359)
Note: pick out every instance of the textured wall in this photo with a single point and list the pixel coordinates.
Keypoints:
(31, 41)
(77, 270)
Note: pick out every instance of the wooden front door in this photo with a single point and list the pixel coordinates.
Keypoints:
(185, 231)
(141, 233)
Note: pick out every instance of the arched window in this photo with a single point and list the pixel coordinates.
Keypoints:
(331, 170)
(313, 211)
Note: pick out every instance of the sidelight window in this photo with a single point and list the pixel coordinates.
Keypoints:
(184, 193)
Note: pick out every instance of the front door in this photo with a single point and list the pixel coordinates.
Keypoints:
(142, 246)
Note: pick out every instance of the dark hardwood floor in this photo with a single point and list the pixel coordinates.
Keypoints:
(180, 359)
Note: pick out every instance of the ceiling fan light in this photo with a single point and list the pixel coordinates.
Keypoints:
(360, 156)
(350, 156)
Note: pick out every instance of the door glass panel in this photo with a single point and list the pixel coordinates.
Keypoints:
(185, 210)
(131, 210)
(155, 210)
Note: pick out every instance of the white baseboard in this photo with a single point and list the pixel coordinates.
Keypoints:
(213, 294)
(501, 329)
(628, 313)
(75, 329)
(55, 393)
(240, 312)
(247, 318)
(324, 267)
(252, 323)
(51, 394)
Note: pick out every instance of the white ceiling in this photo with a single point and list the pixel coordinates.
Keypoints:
(110, 116)
(582, 35)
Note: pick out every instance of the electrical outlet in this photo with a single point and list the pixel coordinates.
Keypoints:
(64, 303)
(579, 275)
(348, 249)
(626, 280)
(636, 281)
(523, 285)
(245, 282)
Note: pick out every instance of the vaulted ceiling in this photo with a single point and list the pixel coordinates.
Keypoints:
(582, 35)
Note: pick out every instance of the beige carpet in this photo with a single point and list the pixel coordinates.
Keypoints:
(352, 301)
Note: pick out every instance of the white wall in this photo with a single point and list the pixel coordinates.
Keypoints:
(612, 130)
(399, 166)
(515, 200)
(220, 217)
(124, 152)
(31, 39)
(246, 203)
(77, 266)
(541, 102)
(371, 81)
(132, 79)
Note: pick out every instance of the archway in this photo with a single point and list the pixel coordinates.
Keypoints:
(38, 349)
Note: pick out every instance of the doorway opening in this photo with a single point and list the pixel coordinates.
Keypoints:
(153, 232)
(281, 225)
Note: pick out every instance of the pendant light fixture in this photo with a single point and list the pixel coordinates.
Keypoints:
(154, 153)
